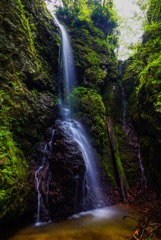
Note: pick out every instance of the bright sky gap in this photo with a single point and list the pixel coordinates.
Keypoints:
(130, 29)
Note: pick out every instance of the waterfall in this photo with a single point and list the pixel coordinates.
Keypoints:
(68, 60)
(144, 180)
(127, 131)
(41, 174)
(124, 105)
(38, 181)
(90, 183)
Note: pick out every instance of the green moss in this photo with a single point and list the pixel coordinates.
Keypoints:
(141, 80)
(87, 103)
(13, 176)
(28, 70)
(88, 107)
(107, 159)
(119, 164)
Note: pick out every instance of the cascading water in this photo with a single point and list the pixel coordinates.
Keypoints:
(124, 105)
(38, 180)
(144, 180)
(90, 183)
(43, 172)
(68, 61)
(127, 132)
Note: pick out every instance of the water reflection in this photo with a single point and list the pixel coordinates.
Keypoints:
(99, 224)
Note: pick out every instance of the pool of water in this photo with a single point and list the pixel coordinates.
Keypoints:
(99, 224)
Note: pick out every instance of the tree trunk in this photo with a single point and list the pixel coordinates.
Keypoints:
(120, 171)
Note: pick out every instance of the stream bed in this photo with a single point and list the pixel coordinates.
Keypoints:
(99, 224)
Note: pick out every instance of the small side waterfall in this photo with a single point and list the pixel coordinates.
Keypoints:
(144, 180)
(124, 100)
(38, 180)
(41, 175)
(127, 131)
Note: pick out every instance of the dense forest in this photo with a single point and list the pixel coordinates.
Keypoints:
(115, 103)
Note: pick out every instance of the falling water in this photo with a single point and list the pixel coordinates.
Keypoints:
(68, 60)
(38, 180)
(124, 105)
(144, 180)
(38, 177)
(127, 131)
(51, 142)
(90, 182)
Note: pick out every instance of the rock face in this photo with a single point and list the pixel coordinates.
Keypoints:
(117, 107)
(141, 80)
(62, 178)
(67, 167)
(29, 60)
(28, 89)
(64, 184)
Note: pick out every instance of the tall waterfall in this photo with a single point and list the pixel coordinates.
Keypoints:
(67, 60)
(87, 190)
(90, 182)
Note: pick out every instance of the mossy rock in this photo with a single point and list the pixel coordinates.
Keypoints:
(13, 177)
(88, 107)
(29, 46)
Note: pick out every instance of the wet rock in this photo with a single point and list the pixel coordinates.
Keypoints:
(61, 176)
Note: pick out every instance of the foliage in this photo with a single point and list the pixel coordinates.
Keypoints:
(146, 63)
(13, 174)
(142, 81)
(87, 103)
(88, 107)
(101, 16)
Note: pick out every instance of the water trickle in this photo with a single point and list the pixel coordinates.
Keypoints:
(127, 131)
(44, 173)
(124, 100)
(144, 180)
(47, 192)
(38, 180)
(51, 142)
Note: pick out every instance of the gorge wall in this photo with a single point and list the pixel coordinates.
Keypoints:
(141, 81)
(29, 49)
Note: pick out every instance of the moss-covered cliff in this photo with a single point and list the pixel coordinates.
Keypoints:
(141, 80)
(28, 89)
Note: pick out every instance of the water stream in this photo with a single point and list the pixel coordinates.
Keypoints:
(127, 131)
(90, 182)
(41, 174)
(38, 181)
(144, 180)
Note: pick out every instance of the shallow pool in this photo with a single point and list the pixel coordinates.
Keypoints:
(99, 224)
